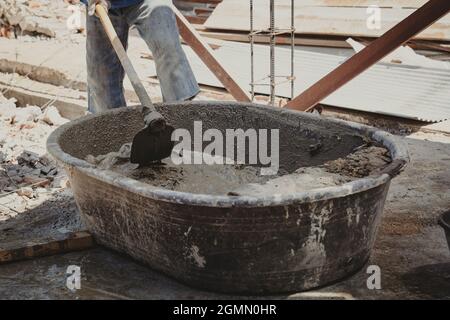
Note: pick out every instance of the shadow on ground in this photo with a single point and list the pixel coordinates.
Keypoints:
(50, 220)
(432, 280)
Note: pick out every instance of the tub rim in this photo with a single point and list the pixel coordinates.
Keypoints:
(399, 155)
(444, 221)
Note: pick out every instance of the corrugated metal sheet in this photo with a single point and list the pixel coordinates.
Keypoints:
(405, 91)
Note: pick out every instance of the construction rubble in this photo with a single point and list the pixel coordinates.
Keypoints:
(34, 17)
(27, 173)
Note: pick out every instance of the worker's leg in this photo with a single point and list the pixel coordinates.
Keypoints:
(157, 25)
(104, 72)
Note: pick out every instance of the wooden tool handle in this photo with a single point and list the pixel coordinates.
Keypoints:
(123, 57)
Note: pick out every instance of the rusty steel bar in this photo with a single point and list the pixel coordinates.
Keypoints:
(292, 49)
(418, 21)
(252, 51)
(272, 44)
(206, 54)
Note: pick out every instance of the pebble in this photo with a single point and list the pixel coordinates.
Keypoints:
(8, 189)
(52, 117)
(24, 115)
(26, 192)
(60, 182)
(53, 172)
(8, 107)
(3, 137)
(11, 173)
(47, 169)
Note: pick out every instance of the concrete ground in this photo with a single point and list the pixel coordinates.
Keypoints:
(410, 250)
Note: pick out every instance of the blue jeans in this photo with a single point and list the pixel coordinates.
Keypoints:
(156, 24)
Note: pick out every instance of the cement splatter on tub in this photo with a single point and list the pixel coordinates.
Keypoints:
(238, 180)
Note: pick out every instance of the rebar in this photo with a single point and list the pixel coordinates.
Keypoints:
(292, 49)
(272, 32)
(272, 51)
(252, 52)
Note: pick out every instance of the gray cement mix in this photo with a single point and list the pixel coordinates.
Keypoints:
(239, 180)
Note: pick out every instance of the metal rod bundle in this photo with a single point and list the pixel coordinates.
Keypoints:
(271, 33)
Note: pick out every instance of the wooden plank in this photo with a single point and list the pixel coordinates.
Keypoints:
(204, 51)
(334, 21)
(72, 242)
(428, 45)
(203, 11)
(281, 40)
(195, 19)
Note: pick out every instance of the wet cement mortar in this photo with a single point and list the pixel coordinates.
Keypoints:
(239, 179)
(410, 250)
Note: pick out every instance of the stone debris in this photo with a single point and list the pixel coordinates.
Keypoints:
(6, 31)
(29, 113)
(52, 117)
(24, 116)
(38, 17)
(26, 192)
(8, 106)
(27, 174)
(14, 115)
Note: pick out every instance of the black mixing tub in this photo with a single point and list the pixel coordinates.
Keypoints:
(240, 244)
(445, 224)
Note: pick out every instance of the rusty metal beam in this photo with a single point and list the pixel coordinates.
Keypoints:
(422, 18)
(206, 54)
